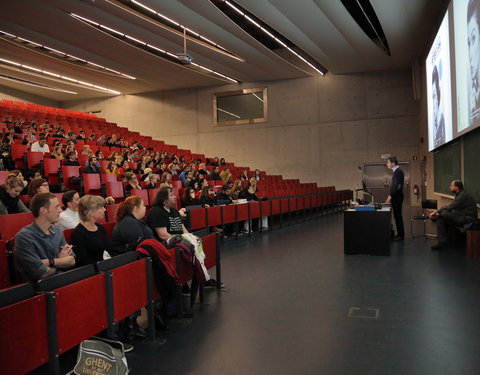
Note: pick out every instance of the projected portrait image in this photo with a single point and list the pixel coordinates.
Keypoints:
(438, 117)
(473, 31)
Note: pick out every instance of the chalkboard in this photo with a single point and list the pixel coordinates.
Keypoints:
(471, 164)
(447, 166)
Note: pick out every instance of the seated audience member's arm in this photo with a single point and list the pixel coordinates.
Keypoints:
(22, 207)
(162, 233)
(184, 229)
(78, 240)
(28, 260)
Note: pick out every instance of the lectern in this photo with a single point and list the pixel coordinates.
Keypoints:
(367, 232)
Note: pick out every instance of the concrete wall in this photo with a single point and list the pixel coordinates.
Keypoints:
(21, 96)
(319, 129)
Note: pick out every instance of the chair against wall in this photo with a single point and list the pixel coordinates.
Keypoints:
(427, 206)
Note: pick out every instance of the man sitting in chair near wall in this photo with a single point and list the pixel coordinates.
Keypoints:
(463, 210)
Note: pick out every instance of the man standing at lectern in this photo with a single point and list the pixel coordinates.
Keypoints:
(395, 196)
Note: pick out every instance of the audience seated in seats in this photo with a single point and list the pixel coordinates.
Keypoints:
(235, 190)
(248, 193)
(130, 228)
(87, 150)
(132, 181)
(166, 179)
(189, 180)
(162, 168)
(462, 211)
(146, 172)
(225, 175)
(93, 165)
(222, 162)
(256, 175)
(153, 179)
(215, 176)
(222, 195)
(29, 136)
(111, 168)
(69, 218)
(71, 159)
(118, 161)
(99, 155)
(189, 198)
(81, 136)
(40, 248)
(18, 173)
(183, 174)
(245, 175)
(38, 185)
(164, 220)
(202, 169)
(140, 168)
(57, 153)
(6, 150)
(124, 168)
(9, 196)
(101, 139)
(70, 149)
(40, 145)
(89, 237)
(113, 156)
(207, 199)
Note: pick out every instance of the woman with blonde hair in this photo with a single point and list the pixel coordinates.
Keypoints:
(9, 196)
(235, 190)
(166, 180)
(89, 237)
(57, 153)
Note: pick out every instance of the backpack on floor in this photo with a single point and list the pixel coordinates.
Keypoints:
(100, 356)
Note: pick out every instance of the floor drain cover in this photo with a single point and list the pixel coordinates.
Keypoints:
(363, 313)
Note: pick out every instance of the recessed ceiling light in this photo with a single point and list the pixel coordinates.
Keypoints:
(269, 37)
(48, 75)
(34, 84)
(66, 57)
(154, 50)
(151, 15)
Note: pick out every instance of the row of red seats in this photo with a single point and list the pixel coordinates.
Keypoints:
(47, 324)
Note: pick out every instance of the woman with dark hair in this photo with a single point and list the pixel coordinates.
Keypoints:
(189, 198)
(222, 162)
(69, 218)
(38, 185)
(9, 196)
(256, 175)
(111, 168)
(130, 228)
(164, 220)
(205, 199)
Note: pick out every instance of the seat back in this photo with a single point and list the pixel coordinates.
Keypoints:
(112, 211)
(91, 183)
(4, 271)
(12, 223)
(24, 339)
(142, 193)
(115, 189)
(34, 159)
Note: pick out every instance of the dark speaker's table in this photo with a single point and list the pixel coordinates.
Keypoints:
(367, 232)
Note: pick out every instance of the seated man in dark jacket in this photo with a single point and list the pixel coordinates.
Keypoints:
(463, 210)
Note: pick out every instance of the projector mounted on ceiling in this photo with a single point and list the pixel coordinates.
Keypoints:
(184, 58)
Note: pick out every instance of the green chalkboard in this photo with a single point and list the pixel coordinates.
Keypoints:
(471, 164)
(447, 166)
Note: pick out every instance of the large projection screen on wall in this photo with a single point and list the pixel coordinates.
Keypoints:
(439, 89)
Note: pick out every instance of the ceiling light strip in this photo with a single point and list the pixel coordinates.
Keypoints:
(272, 34)
(151, 48)
(34, 84)
(151, 15)
(39, 47)
(61, 77)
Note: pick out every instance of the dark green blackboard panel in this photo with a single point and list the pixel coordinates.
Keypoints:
(447, 166)
(471, 163)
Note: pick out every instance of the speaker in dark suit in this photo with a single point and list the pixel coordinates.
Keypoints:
(395, 196)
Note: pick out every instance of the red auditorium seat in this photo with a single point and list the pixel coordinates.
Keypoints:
(3, 176)
(91, 184)
(108, 177)
(68, 172)
(34, 159)
(142, 193)
(12, 223)
(24, 339)
(18, 152)
(115, 190)
(112, 211)
(51, 168)
(198, 218)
